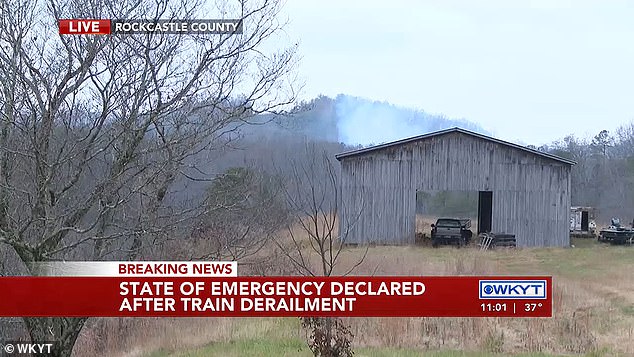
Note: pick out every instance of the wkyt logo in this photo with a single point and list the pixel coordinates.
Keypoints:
(513, 289)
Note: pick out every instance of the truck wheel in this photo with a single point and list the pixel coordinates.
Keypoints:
(434, 243)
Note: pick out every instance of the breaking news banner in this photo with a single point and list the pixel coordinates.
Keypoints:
(114, 27)
(132, 269)
(213, 289)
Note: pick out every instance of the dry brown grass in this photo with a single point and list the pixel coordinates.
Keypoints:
(593, 306)
(134, 337)
(593, 301)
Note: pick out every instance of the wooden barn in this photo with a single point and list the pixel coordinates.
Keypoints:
(521, 191)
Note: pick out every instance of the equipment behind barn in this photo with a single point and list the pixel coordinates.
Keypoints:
(582, 224)
(497, 240)
(617, 234)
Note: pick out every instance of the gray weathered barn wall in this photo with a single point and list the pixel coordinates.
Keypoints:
(531, 190)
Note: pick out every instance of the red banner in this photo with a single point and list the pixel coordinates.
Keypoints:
(84, 27)
(459, 296)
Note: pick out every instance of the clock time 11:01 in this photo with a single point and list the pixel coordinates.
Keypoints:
(499, 307)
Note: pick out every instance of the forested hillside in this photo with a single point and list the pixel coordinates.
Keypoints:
(604, 174)
(354, 121)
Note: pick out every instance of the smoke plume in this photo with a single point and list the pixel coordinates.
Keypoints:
(365, 122)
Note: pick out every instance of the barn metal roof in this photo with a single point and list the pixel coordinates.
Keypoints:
(447, 131)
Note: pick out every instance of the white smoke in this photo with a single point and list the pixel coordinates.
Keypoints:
(364, 122)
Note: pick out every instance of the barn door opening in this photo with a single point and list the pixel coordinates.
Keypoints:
(584, 221)
(445, 204)
(485, 211)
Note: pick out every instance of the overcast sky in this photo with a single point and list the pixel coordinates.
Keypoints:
(529, 71)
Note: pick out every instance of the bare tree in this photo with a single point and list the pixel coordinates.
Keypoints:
(602, 142)
(245, 209)
(96, 130)
(313, 194)
(315, 242)
(603, 176)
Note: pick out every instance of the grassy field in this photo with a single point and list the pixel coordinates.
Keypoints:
(593, 308)
(273, 340)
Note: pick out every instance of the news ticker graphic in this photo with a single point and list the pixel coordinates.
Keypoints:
(115, 27)
(281, 296)
(138, 269)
